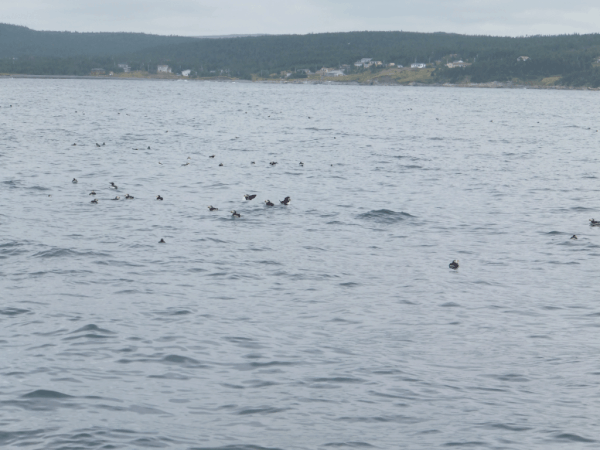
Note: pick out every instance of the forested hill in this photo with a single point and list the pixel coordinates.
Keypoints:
(568, 57)
(17, 41)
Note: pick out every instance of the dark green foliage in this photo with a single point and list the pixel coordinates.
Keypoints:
(493, 58)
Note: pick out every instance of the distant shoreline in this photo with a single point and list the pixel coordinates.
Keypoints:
(373, 82)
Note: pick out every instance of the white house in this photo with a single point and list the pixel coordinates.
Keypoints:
(417, 66)
(163, 69)
(334, 73)
(186, 73)
(522, 58)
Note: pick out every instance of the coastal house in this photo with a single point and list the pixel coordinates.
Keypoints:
(345, 68)
(364, 62)
(186, 73)
(97, 72)
(455, 64)
(334, 73)
(522, 58)
(418, 66)
(125, 67)
(163, 69)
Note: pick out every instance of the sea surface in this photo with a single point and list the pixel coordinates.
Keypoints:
(331, 323)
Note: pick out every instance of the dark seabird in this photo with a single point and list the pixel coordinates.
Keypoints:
(249, 197)
(127, 196)
(148, 147)
(273, 163)
(212, 208)
(92, 193)
(158, 197)
(94, 201)
(186, 164)
(211, 156)
(594, 223)
(117, 198)
(103, 144)
(574, 236)
(73, 145)
(221, 165)
(98, 145)
(162, 241)
(454, 264)
(301, 163)
(74, 181)
(269, 203)
(286, 201)
(113, 185)
(252, 162)
(235, 214)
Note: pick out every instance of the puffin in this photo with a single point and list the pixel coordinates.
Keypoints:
(211, 156)
(94, 201)
(212, 208)
(574, 236)
(269, 203)
(301, 163)
(594, 223)
(74, 181)
(117, 198)
(113, 185)
(249, 197)
(286, 201)
(162, 241)
(92, 193)
(158, 197)
(129, 197)
(235, 214)
(454, 264)
(221, 165)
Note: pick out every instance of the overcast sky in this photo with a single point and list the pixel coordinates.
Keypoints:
(210, 17)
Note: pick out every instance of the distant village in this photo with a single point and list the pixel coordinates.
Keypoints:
(342, 70)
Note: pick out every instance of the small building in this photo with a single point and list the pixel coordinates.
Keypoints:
(418, 66)
(456, 64)
(98, 71)
(345, 67)
(163, 69)
(125, 67)
(306, 71)
(376, 63)
(334, 73)
(391, 65)
(522, 58)
(186, 73)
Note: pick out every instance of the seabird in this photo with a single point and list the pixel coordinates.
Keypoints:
(98, 145)
(221, 165)
(211, 156)
(148, 147)
(117, 198)
(235, 214)
(249, 197)
(269, 203)
(94, 201)
(103, 144)
(454, 264)
(301, 163)
(273, 163)
(574, 236)
(212, 208)
(92, 193)
(162, 241)
(158, 197)
(252, 162)
(594, 223)
(74, 181)
(286, 201)
(128, 196)
(73, 145)
(186, 164)
(113, 185)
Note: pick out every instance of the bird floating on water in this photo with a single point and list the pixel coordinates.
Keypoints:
(454, 264)
(249, 197)
(235, 214)
(127, 196)
(211, 156)
(117, 198)
(252, 162)
(98, 145)
(94, 201)
(301, 163)
(158, 197)
(286, 201)
(269, 203)
(594, 223)
(74, 181)
(186, 164)
(92, 193)
(221, 165)
(574, 236)
(162, 241)
(113, 185)
(212, 208)
(273, 163)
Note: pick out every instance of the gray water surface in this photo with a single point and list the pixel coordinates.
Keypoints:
(332, 323)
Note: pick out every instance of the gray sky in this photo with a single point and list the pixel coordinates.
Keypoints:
(209, 17)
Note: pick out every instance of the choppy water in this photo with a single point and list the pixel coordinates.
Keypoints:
(331, 323)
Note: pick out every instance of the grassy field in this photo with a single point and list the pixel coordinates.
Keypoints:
(388, 76)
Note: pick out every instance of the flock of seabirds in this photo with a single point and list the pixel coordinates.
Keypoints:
(286, 201)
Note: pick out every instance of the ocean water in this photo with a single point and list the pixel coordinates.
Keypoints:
(331, 323)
